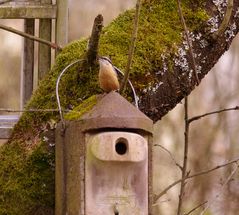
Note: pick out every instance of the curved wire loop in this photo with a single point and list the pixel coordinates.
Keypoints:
(57, 86)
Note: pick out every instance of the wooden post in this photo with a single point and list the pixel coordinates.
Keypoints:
(27, 63)
(69, 174)
(44, 55)
(22, 10)
(62, 23)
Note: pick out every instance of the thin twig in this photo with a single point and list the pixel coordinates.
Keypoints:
(195, 208)
(225, 21)
(188, 41)
(222, 188)
(171, 156)
(162, 201)
(185, 158)
(157, 196)
(193, 176)
(132, 46)
(210, 113)
(30, 110)
(8, 110)
(31, 37)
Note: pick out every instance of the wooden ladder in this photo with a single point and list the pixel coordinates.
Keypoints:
(30, 10)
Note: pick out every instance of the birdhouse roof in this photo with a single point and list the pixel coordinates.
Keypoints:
(114, 111)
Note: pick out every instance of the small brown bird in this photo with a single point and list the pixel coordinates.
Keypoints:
(108, 77)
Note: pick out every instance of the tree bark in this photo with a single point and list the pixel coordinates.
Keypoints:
(172, 87)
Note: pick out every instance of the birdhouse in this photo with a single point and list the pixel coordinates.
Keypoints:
(104, 161)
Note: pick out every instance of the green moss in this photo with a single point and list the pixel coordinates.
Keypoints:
(81, 109)
(26, 163)
(26, 180)
(159, 33)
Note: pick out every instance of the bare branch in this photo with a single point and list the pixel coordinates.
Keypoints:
(30, 110)
(210, 113)
(225, 21)
(195, 208)
(220, 193)
(162, 201)
(156, 197)
(185, 158)
(171, 155)
(132, 46)
(188, 41)
(31, 37)
(92, 51)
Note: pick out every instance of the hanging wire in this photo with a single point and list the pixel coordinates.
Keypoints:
(118, 71)
(58, 97)
(57, 87)
(131, 86)
(73, 63)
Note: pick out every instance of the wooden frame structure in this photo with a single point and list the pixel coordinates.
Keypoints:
(30, 10)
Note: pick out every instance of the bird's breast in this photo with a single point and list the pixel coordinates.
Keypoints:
(108, 79)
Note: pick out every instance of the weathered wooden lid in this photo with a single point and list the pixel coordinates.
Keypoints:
(114, 111)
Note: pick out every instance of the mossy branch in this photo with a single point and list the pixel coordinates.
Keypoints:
(225, 21)
(93, 45)
(31, 37)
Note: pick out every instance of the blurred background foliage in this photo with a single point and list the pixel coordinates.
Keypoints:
(213, 139)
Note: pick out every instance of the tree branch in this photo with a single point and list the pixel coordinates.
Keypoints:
(223, 186)
(168, 77)
(171, 156)
(30, 110)
(195, 208)
(225, 21)
(156, 197)
(185, 159)
(210, 113)
(31, 37)
(131, 48)
(92, 51)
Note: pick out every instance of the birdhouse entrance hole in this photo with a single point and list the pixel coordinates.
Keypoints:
(121, 146)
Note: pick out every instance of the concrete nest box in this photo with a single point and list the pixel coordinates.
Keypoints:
(104, 161)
